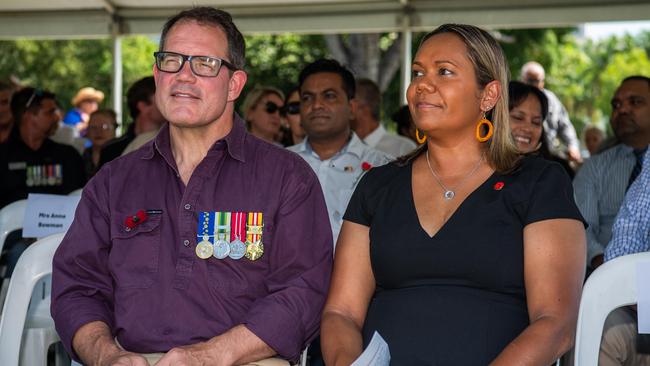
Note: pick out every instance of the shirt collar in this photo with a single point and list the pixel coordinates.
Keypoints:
(234, 141)
(375, 136)
(354, 146)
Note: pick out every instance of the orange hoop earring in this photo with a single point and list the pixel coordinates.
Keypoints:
(421, 140)
(484, 122)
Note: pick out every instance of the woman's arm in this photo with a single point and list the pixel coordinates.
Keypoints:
(554, 263)
(350, 292)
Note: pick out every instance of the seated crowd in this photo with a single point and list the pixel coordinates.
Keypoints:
(207, 236)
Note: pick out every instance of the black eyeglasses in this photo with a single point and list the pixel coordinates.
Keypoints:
(173, 62)
(292, 108)
(36, 93)
(271, 108)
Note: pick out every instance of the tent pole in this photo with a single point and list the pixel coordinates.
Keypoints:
(407, 36)
(117, 72)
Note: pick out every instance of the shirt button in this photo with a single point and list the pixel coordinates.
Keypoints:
(186, 243)
(188, 206)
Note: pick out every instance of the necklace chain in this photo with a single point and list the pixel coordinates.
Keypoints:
(451, 193)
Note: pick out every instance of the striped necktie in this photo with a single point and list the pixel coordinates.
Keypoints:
(638, 153)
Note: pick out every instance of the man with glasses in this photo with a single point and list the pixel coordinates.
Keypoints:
(557, 125)
(29, 161)
(206, 244)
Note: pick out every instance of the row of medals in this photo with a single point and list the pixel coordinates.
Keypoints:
(222, 249)
(44, 175)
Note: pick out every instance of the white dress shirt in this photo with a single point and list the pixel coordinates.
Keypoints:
(340, 174)
(393, 145)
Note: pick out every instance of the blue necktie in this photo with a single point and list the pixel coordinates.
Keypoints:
(638, 153)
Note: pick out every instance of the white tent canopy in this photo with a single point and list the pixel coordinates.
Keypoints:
(115, 18)
(102, 18)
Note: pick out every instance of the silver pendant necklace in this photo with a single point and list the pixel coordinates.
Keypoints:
(450, 193)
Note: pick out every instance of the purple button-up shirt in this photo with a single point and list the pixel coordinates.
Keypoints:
(148, 284)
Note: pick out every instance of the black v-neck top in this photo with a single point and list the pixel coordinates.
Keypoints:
(457, 298)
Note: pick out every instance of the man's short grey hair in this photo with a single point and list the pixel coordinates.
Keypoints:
(532, 66)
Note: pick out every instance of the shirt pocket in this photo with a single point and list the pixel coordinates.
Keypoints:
(134, 252)
(243, 278)
(226, 277)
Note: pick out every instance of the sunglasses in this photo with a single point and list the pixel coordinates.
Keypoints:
(271, 108)
(292, 108)
(36, 93)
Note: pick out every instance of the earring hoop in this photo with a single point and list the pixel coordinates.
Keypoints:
(490, 129)
(420, 140)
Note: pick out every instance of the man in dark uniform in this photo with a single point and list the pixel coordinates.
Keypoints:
(32, 163)
(29, 161)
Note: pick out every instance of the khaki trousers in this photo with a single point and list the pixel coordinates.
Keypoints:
(618, 346)
(152, 358)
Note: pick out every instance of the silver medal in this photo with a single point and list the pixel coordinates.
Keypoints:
(237, 249)
(221, 248)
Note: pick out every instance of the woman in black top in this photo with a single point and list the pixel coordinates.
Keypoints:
(464, 252)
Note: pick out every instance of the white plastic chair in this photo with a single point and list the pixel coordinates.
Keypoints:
(609, 287)
(11, 219)
(76, 192)
(26, 328)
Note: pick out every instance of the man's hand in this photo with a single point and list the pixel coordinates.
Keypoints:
(574, 155)
(125, 359)
(95, 346)
(205, 353)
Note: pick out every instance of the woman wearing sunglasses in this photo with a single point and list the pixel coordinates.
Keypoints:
(262, 108)
(292, 114)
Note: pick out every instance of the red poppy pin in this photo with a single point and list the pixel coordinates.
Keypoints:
(498, 186)
(135, 220)
(365, 166)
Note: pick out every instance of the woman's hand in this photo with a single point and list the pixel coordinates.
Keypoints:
(350, 292)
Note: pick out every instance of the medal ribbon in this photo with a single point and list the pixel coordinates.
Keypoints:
(237, 226)
(222, 224)
(254, 232)
(59, 174)
(205, 226)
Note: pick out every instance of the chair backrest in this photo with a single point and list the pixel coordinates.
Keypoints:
(34, 265)
(612, 285)
(76, 192)
(11, 219)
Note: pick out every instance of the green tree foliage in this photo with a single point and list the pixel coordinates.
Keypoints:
(65, 66)
(276, 60)
(583, 73)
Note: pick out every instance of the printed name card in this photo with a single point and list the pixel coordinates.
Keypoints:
(643, 296)
(376, 354)
(48, 214)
